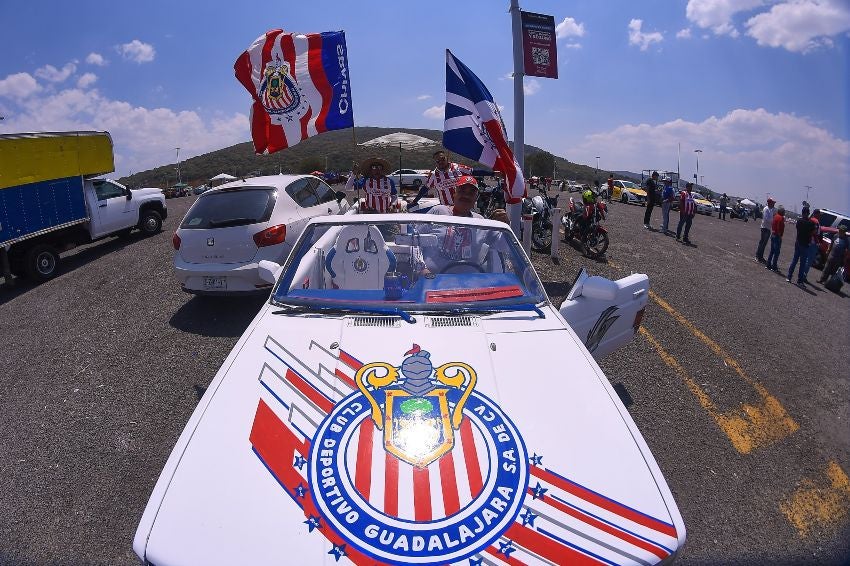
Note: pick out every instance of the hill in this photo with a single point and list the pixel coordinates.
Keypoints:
(335, 151)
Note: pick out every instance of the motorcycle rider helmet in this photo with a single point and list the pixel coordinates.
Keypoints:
(587, 197)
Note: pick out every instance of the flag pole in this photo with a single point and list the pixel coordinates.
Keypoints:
(515, 210)
(354, 161)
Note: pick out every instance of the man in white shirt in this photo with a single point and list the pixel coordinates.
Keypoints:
(766, 222)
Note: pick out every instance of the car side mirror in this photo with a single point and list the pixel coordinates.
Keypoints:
(269, 271)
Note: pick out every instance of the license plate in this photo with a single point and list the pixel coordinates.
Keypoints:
(215, 282)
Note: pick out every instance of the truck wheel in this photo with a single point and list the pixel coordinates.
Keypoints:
(41, 263)
(150, 223)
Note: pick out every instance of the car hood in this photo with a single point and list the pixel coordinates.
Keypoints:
(636, 192)
(146, 193)
(511, 450)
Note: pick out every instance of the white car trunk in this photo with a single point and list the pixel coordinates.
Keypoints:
(234, 244)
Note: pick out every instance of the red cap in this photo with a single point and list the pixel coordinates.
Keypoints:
(467, 180)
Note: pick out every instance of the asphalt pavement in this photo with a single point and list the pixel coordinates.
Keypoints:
(738, 382)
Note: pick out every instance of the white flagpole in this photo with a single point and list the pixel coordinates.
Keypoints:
(515, 210)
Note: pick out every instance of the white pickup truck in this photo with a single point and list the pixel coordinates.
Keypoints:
(50, 204)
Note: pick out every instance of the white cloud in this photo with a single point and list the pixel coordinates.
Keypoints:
(423, 97)
(531, 86)
(137, 51)
(435, 112)
(19, 85)
(572, 45)
(683, 33)
(96, 59)
(717, 15)
(800, 25)
(54, 75)
(144, 137)
(745, 152)
(642, 40)
(569, 28)
(86, 80)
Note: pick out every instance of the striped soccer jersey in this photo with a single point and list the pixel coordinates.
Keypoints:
(444, 182)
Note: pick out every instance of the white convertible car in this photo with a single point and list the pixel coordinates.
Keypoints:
(409, 395)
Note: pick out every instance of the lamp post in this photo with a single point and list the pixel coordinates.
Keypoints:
(696, 175)
(807, 187)
(597, 165)
(179, 178)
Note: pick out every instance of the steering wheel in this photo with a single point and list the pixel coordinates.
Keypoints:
(462, 263)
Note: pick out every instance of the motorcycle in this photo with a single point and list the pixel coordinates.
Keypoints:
(593, 238)
(540, 206)
(740, 212)
(490, 198)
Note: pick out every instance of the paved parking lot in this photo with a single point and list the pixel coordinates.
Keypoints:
(738, 382)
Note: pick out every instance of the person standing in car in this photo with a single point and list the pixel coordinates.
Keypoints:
(443, 178)
(835, 254)
(766, 224)
(381, 193)
(651, 190)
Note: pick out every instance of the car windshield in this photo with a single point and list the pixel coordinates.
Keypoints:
(230, 207)
(630, 185)
(697, 196)
(432, 265)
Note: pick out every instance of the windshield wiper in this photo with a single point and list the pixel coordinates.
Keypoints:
(502, 308)
(373, 310)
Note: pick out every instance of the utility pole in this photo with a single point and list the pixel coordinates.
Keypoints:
(808, 188)
(696, 175)
(515, 210)
(179, 178)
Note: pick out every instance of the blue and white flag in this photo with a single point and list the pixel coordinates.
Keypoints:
(473, 126)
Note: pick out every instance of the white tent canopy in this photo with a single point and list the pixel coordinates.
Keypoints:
(748, 202)
(400, 140)
(223, 177)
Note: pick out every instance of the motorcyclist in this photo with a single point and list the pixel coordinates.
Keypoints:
(588, 210)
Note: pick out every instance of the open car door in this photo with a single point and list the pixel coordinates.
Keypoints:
(606, 314)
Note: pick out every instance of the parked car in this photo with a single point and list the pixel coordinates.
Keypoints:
(381, 407)
(832, 219)
(409, 177)
(231, 228)
(200, 189)
(570, 186)
(628, 192)
(704, 206)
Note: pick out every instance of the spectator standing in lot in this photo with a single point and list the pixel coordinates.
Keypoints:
(777, 229)
(835, 254)
(687, 210)
(805, 229)
(667, 197)
(724, 200)
(381, 193)
(813, 244)
(610, 187)
(651, 189)
(766, 224)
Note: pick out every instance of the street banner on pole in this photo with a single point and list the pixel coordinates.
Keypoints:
(539, 48)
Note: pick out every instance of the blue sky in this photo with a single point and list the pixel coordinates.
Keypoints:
(761, 86)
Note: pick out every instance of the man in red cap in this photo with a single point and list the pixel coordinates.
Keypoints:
(766, 223)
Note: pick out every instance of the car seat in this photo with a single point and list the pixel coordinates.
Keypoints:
(359, 259)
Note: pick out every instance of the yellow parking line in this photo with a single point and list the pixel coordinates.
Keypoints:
(819, 503)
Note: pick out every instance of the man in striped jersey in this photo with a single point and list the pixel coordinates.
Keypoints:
(381, 193)
(443, 178)
(687, 210)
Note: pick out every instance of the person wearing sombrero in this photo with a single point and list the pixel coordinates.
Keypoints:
(381, 193)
